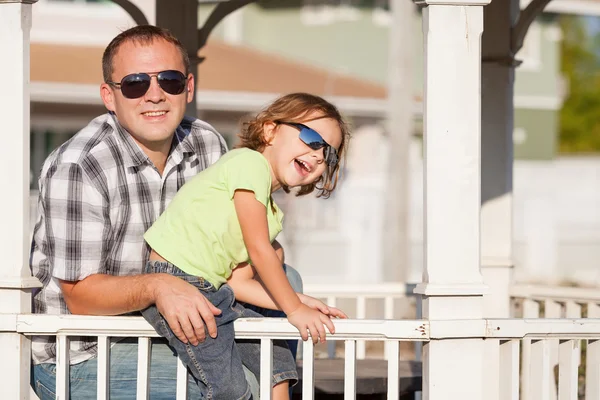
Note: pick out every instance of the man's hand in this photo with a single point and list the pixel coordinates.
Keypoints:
(308, 320)
(185, 309)
(320, 306)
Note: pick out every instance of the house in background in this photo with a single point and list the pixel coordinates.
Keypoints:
(338, 49)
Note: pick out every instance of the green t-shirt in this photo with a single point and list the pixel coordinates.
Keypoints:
(199, 232)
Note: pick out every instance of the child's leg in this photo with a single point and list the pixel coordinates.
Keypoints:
(215, 363)
(285, 372)
(281, 391)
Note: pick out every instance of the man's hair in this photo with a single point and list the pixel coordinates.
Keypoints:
(295, 107)
(143, 35)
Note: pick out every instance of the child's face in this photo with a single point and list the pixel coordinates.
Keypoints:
(293, 163)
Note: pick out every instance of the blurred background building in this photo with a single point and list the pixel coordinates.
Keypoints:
(339, 49)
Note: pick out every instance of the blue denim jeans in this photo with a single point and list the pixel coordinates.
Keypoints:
(216, 363)
(123, 368)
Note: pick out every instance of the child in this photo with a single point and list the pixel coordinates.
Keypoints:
(225, 217)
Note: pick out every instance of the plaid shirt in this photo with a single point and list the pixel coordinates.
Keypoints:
(99, 193)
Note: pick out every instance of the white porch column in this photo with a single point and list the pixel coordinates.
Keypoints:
(15, 280)
(452, 285)
(498, 73)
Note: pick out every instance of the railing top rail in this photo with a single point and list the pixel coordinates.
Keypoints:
(278, 328)
(397, 289)
(557, 293)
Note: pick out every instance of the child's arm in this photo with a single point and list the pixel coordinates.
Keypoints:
(252, 216)
(249, 290)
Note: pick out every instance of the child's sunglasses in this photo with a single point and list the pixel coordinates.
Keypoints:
(134, 86)
(315, 141)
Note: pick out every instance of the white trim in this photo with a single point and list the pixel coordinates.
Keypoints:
(580, 7)
(538, 102)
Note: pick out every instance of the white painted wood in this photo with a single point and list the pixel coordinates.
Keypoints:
(509, 370)
(361, 313)
(491, 374)
(308, 371)
(182, 380)
(266, 369)
(350, 370)
(62, 367)
(388, 313)
(573, 309)
(250, 328)
(553, 309)
(592, 370)
(393, 359)
(103, 376)
(143, 368)
(593, 310)
(453, 284)
(567, 370)
(539, 370)
(531, 309)
(15, 277)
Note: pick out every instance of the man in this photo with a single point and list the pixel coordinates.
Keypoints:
(99, 193)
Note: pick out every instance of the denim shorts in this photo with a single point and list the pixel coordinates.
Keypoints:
(216, 363)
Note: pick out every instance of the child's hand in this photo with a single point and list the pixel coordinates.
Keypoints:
(308, 320)
(319, 305)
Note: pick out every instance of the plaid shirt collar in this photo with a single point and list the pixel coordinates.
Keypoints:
(134, 156)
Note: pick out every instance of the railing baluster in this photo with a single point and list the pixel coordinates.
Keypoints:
(331, 301)
(182, 380)
(361, 313)
(573, 310)
(143, 368)
(567, 369)
(592, 370)
(350, 370)
(539, 370)
(308, 371)
(266, 369)
(62, 367)
(103, 367)
(392, 351)
(593, 310)
(509, 370)
(388, 314)
(553, 309)
(531, 309)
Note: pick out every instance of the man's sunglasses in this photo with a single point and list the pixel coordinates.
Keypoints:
(315, 141)
(134, 86)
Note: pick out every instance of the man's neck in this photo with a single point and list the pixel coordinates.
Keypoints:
(157, 153)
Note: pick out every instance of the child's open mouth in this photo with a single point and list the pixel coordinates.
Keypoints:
(302, 167)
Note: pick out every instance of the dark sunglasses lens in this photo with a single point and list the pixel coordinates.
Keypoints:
(312, 139)
(135, 85)
(172, 82)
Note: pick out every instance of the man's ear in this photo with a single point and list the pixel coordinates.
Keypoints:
(108, 96)
(269, 130)
(191, 84)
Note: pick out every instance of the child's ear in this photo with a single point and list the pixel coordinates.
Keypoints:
(269, 129)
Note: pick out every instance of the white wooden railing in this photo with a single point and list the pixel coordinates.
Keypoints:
(559, 333)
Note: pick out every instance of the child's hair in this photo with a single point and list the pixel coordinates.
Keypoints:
(293, 108)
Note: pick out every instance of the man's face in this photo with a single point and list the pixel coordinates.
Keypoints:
(152, 118)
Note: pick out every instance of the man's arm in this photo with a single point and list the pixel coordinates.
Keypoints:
(78, 232)
(182, 305)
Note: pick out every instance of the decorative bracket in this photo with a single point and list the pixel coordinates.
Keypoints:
(133, 10)
(217, 15)
(526, 18)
